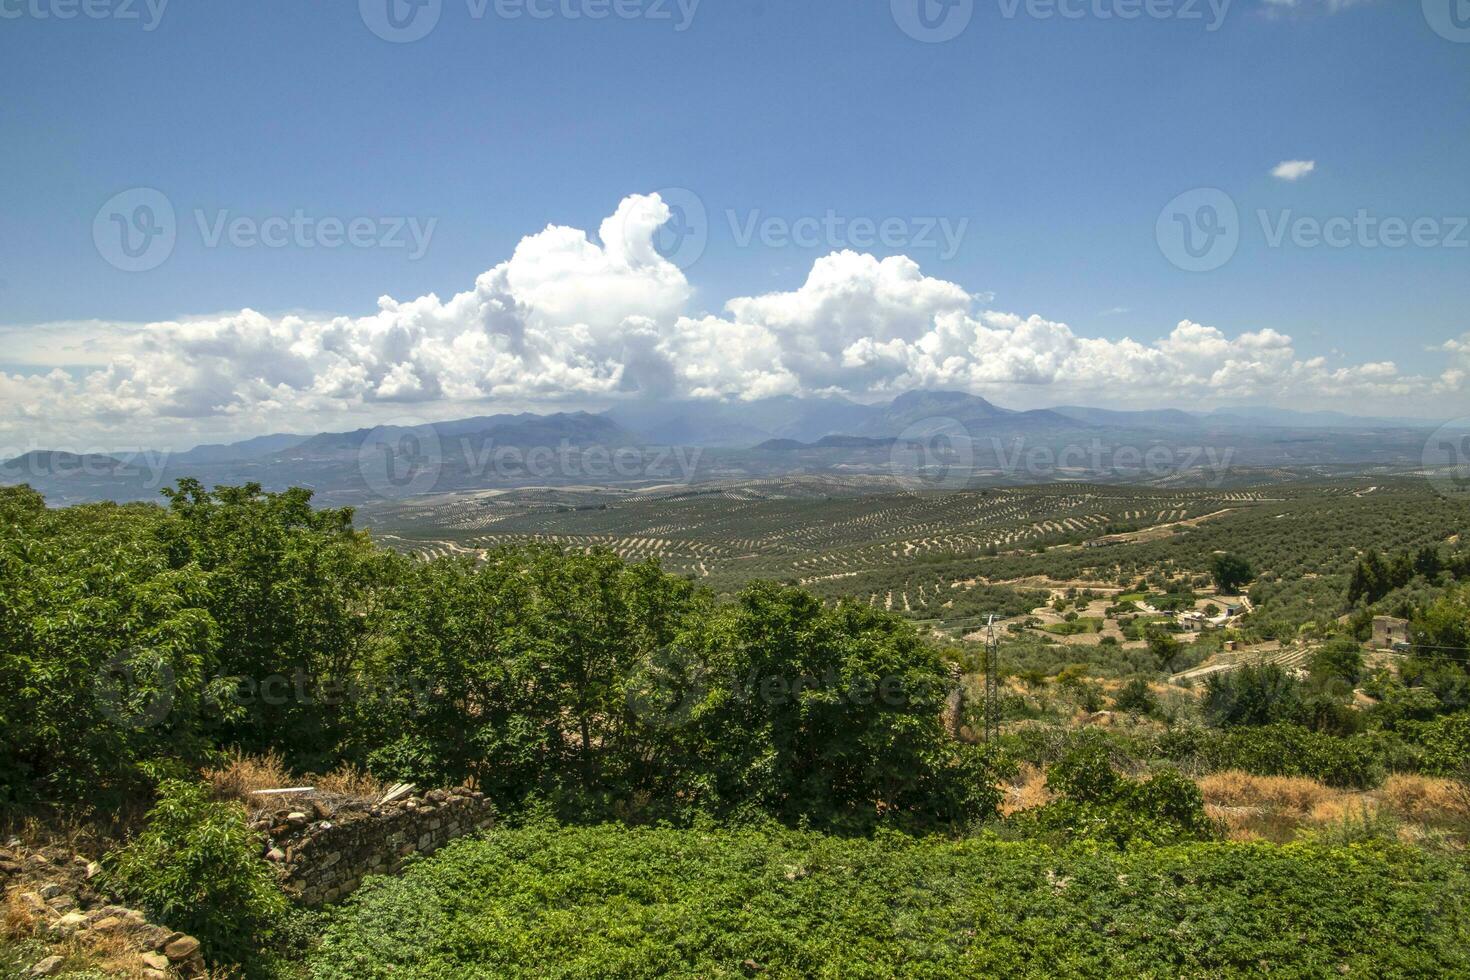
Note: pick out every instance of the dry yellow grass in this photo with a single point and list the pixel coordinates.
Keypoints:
(244, 774)
(1233, 788)
(1344, 809)
(1027, 791)
(101, 953)
(1427, 800)
(1278, 808)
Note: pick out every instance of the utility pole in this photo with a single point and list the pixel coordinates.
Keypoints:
(992, 682)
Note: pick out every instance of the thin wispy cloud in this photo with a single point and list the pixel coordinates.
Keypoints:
(1293, 169)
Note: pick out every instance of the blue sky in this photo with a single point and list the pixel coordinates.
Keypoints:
(1054, 142)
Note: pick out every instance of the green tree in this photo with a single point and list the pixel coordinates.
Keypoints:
(1230, 572)
(1339, 660)
(1165, 648)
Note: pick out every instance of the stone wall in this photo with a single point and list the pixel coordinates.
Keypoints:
(50, 895)
(324, 853)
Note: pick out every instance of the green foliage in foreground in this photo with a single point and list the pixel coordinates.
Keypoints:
(138, 640)
(548, 901)
(197, 867)
(1096, 803)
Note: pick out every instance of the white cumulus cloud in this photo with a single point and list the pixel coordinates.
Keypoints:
(570, 320)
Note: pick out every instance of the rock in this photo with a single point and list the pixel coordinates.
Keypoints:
(149, 973)
(93, 870)
(33, 903)
(50, 890)
(62, 903)
(46, 967)
(181, 949)
(155, 961)
(296, 818)
(109, 924)
(275, 854)
(68, 924)
(153, 937)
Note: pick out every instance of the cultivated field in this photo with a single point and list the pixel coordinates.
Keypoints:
(951, 559)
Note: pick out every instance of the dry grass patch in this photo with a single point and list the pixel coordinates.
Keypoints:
(1027, 791)
(1280, 808)
(244, 775)
(1297, 794)
(1426, 799)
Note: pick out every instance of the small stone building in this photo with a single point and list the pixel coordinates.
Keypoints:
(1389, 632)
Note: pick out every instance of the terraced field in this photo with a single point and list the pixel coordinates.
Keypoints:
(952, 558)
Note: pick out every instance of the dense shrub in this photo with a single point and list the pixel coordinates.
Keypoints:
(1285, 750)
(197, 867)
(551, 902)
(1136, 697)
(1096, 803)
(1446, 743)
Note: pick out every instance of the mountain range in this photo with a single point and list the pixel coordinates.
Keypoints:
(723, 440)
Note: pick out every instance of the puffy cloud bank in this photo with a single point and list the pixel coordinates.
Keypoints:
(572, 320)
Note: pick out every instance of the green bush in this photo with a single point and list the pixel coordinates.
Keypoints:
(1096, 803)
(1135, 697)
(1356, 761)
(1446, 744)
(197, 867)
(607, 901)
